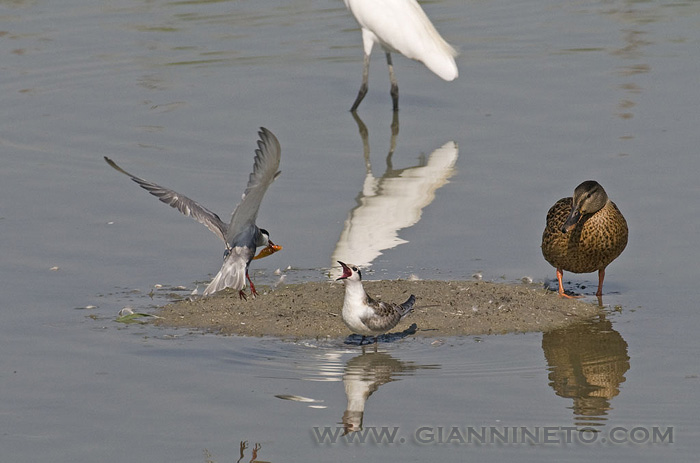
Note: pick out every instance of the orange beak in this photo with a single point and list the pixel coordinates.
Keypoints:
(268, 251)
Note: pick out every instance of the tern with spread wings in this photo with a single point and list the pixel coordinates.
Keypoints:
(241, 235)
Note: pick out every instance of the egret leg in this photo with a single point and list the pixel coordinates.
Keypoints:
(363, 88)
(394, 85)
(392, 142)
(601, 277)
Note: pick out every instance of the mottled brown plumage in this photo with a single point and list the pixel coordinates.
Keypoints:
(584, 233)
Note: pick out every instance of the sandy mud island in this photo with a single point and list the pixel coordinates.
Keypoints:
(443, 308)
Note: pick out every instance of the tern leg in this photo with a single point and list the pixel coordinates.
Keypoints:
(252, 286)
(562, 293)
(394, 84)
(363, 88)
(601, 277)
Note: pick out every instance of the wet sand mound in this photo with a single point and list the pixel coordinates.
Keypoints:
(443, 308)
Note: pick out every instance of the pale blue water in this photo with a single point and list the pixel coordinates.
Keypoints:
(549, 94)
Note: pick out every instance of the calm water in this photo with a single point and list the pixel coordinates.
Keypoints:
(549, 94)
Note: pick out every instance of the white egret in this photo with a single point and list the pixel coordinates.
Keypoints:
(400, 26)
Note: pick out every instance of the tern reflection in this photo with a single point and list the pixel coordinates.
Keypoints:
(391, 202)
(587, 363)
(363, 376)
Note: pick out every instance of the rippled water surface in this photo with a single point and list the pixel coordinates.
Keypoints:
(549, 94)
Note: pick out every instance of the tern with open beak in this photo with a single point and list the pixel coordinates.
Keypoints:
(362, 314)
(241, 235)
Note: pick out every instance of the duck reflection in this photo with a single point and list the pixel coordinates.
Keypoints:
(587, 363)
(363, 376)
(392, 202)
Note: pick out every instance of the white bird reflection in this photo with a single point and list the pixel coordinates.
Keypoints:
(363, 375)
(391, 202)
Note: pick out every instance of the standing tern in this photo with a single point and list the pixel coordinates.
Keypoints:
(241, 235)
(362, 314)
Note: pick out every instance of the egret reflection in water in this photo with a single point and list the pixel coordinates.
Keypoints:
(587, 363)
(391, 202)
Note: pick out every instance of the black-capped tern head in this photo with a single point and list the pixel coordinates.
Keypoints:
(241, 235)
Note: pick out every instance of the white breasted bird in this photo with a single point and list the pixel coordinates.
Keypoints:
(362, 314)
(240, 235)
(400, 26)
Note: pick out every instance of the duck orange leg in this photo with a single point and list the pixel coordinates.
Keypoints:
(601, 277)
(562, 293)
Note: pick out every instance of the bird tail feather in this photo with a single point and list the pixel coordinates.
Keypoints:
(407, 306)
(231, 275)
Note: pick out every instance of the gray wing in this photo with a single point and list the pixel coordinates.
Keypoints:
(387, 315)
(267, 161)
(180, 202)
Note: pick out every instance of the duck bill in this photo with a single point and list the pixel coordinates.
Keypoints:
(571, 221)
(346, 271)
(268, 250)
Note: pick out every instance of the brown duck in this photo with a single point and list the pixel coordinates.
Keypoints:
(584, 233)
